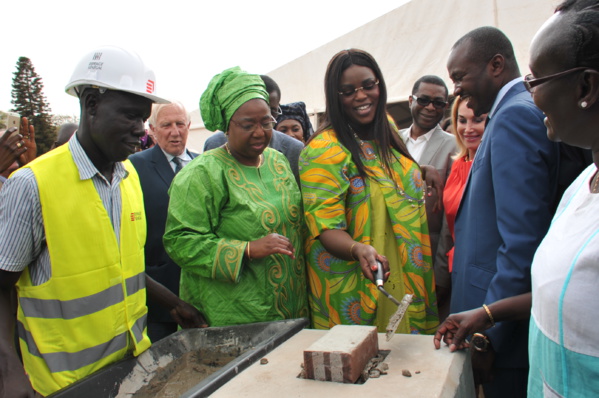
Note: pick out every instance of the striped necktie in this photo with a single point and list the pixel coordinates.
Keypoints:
(178, 163)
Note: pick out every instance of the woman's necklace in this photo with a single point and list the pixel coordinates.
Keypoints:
(260, 158)
(362, 144)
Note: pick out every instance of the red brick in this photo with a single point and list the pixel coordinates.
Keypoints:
(341, 354)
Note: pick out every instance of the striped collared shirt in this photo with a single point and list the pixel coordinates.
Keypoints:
(21, 224)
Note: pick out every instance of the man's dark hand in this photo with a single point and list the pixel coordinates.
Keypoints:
(187, 316)
(28, 133)
(12, 147)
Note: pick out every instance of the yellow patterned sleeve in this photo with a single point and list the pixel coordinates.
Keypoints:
(324, 183)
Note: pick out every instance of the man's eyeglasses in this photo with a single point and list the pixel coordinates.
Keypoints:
(249, 127)
(276, 111)
(424, 102)
(530, 82)
(349, 91)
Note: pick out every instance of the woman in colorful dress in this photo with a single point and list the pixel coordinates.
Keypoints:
(235, 217)
(364, 201)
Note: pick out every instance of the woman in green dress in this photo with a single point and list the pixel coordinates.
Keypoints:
(364, 201)
(235, 217)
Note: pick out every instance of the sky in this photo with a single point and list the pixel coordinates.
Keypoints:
(186, 43)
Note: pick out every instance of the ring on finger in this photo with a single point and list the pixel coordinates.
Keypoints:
(19, 144)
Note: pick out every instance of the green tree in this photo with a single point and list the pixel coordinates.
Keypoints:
(29, 101)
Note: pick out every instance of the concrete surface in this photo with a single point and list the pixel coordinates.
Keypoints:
(442, 373)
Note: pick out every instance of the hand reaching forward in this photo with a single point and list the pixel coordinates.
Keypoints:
(458, 326)
(187, 316)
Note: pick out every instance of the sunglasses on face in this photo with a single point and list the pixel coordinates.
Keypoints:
(424, 102)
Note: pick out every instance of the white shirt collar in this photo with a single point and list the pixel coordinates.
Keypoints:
(184, 156)
(502, 94)
(427, 136)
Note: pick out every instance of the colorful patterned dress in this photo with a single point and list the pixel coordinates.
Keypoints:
(216, 206)
(384, 211)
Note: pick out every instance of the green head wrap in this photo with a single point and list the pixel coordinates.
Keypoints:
(226, 92)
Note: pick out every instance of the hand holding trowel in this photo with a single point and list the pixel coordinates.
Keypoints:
(396, 318)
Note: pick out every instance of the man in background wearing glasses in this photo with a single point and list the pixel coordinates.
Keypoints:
(429, 144)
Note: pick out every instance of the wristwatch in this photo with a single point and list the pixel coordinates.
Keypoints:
(480, 342)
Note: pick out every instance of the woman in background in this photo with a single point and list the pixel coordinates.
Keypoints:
(468, 130)
(294, 121)
(364, 202)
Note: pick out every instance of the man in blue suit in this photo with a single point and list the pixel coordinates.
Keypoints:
(507, 203)
(156, 167)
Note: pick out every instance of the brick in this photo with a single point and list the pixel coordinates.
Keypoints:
(341, 354)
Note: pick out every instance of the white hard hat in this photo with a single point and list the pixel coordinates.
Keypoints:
(114, 68)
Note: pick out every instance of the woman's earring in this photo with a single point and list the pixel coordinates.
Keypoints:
(583, 104)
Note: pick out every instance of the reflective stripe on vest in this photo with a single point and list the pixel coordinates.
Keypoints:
(70, 309)
(69, 361)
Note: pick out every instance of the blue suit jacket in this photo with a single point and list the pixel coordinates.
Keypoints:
(155, 176)
(505, 212)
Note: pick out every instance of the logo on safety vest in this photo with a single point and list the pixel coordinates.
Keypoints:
(136, 216)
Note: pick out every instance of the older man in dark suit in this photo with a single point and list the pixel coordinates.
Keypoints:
(157, 166)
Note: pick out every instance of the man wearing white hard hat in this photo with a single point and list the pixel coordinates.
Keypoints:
(73, 229)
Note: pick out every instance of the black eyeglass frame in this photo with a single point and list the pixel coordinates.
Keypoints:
(424, 102)
(530, 82)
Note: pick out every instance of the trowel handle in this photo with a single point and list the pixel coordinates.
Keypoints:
(379, 274)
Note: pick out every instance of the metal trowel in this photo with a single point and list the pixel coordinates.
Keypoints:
(402, 306)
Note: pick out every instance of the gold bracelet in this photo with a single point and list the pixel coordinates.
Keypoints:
(351, 251)
(249, 257)
(489, 314)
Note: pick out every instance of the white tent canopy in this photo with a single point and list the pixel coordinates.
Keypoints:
(408, 42)
(414, 40)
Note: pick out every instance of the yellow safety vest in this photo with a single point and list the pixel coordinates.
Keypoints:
(93, 310)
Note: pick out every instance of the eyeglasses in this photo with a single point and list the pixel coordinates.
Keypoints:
(530, 82)
(438, 104)
(249, 127)
(276, 111)
(348, 92)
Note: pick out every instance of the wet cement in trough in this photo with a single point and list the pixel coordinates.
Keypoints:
(182, 374)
